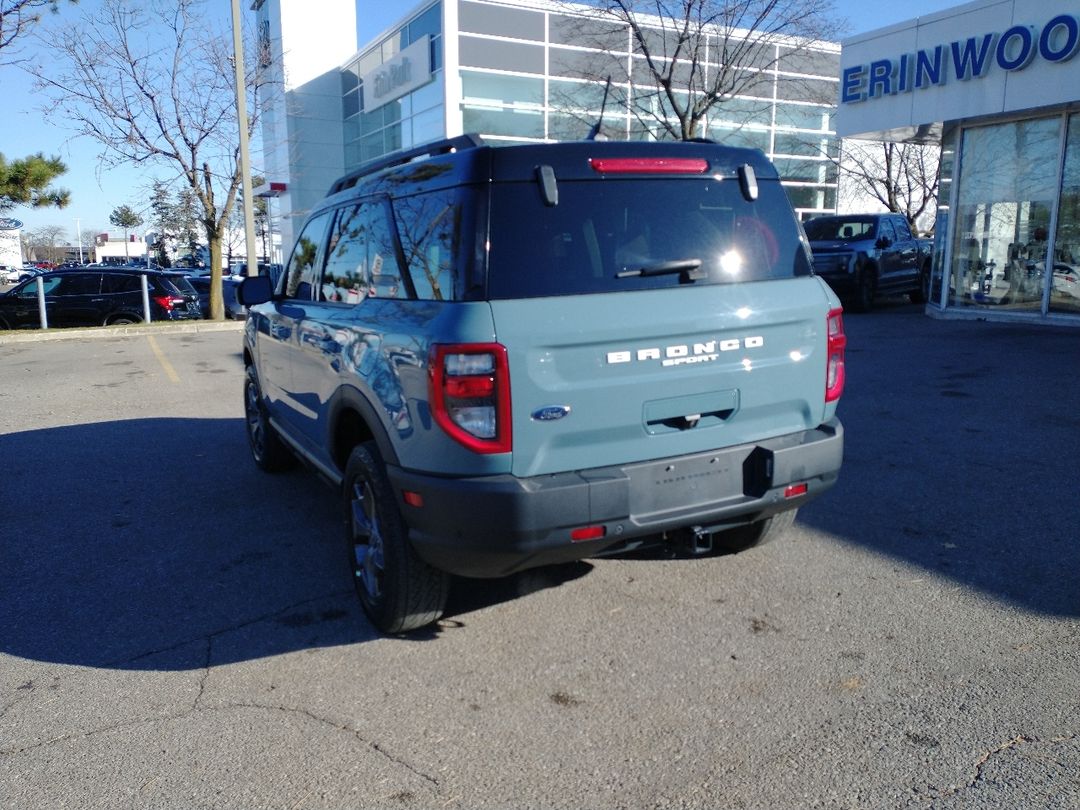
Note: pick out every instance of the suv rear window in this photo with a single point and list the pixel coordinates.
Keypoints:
(623, 235)
(827, 229)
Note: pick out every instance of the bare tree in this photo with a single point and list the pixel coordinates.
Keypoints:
(153, 83)
(693, 56)
(904, 177)
(18, 17)
(43, 244)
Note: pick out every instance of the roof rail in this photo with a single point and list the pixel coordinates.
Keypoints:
(455, 144)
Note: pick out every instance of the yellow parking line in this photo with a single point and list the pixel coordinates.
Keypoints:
(170, 372)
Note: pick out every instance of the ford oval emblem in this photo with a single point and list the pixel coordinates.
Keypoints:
(549, 413)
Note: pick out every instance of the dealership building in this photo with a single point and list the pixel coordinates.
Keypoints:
(997, 84)
(513, 71)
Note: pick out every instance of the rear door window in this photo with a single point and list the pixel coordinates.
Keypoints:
(624, 235)
(78, 284)
(302, 275)
(121, 283)
(434, 229)
(345, 276)
(382, 255)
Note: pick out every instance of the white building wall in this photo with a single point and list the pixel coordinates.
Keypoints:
(301, 119)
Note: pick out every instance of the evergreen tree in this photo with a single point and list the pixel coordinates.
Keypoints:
(26, 181)
(124, 217)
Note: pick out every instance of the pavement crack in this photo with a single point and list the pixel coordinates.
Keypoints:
(83, 735)
(374, 746)
(982, 762)
(205, 675)
(120, 663)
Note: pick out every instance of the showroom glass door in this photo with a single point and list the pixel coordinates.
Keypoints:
(1065, 288)
(1005, 198)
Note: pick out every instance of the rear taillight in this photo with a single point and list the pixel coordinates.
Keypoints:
(167, 302)
(834, 370)
(470, 395)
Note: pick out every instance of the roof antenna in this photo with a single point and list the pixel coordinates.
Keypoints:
(595, 134)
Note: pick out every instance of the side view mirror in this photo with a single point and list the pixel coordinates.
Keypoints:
(883, 242)
(255, 290)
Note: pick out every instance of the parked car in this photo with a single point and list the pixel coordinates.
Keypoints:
(181, 282)
(554, 351)
(862, 256)
(234, 310)
(13, 275)
(92, 297)
(1067, 279)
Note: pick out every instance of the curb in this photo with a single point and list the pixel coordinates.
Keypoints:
(190, 327)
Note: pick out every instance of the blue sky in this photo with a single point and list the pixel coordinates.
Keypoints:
(23, 129)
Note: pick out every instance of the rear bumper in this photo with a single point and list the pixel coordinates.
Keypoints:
(495, 525)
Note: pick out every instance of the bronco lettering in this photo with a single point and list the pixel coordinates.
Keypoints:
(686, 353)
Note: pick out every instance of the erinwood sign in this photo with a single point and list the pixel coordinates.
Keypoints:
(961, 60)
(980, 59)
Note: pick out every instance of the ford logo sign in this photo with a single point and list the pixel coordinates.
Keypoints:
(9, 224)
(549, 413)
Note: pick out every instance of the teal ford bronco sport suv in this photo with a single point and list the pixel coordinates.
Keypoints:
(509, 357)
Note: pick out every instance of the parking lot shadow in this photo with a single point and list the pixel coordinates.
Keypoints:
(125, 543)
(961, 449)
(157, 544)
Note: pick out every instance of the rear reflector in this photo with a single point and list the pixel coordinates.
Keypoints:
(795, 490)
(649, 165)
(587, 533)
(412, 498)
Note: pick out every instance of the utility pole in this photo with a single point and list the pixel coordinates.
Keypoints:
(78, 236)
(245, 155)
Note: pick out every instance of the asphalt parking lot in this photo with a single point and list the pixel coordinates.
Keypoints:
(178, 629)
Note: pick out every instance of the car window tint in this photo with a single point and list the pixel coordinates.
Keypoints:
(303, 271)
(182, 284)
(30, 289)
(625, 235)
(885, 230)
(121, 283)
(345, 275)
(902, 229)
(78, 284)
(430, 227)
(382, 255)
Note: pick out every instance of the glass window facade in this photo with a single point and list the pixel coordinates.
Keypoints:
(530, 75)
(415, 118)
(1015, 230)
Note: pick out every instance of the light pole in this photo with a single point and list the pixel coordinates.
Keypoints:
(245, 157)
(78, 232)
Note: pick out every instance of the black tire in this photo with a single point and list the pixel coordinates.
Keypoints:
(123, 320)
(4, 325)
(398, 590)
(865, 287)
(753, 534)
(269, 452)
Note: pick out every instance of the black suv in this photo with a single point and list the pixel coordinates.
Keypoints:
(96, 297)
(508, 357)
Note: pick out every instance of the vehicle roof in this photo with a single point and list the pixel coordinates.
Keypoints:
(468, 160)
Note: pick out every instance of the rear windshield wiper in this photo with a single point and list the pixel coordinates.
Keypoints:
(689, 268)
